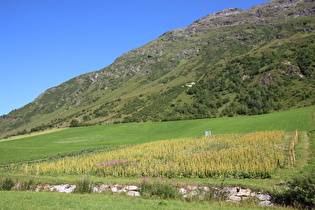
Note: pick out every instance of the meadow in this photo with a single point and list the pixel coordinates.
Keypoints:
(74, 140)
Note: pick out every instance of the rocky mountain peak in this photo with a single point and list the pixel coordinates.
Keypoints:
(224, 14)
(272, 8)
(264, 13)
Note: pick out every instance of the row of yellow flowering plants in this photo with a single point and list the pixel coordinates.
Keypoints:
(254, 155)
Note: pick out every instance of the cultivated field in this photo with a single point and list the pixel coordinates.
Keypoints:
(253, 155)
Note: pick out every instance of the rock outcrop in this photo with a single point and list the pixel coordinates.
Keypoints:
(195, 192)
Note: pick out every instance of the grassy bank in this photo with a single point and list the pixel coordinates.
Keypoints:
(33, 200)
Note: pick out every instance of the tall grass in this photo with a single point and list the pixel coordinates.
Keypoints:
(253, 155)
(83, 185)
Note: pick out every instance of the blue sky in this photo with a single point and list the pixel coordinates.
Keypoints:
(44, 43)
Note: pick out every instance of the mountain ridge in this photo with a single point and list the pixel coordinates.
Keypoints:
(129, 89)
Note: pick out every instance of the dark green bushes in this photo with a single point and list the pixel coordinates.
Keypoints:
(300, 192)
(7, 183)
(74, 123)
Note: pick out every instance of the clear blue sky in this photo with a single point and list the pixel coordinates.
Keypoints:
(44, 43)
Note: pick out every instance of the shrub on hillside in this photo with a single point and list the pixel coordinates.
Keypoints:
(300, 193)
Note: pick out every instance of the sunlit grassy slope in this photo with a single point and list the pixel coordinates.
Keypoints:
(77, 139)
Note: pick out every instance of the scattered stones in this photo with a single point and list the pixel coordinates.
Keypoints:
(189, 187)
(192, 194)
(244, 193)
(182, 191)
(263, 197)
(133, 193)
(207, 189)
(233, 190)
(95, 190)
(132, 188)
(17, 186)
(237, 194)
(104, 187)
(114, 189)
(234, 198)
(266, 203)
(232, 194)
(65, 188)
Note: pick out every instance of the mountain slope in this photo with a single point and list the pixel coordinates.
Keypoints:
(233, 62)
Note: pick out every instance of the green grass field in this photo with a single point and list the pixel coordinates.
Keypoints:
(73, 140)
(33, 200)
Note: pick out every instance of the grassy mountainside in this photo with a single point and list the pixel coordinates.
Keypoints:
(233, 62)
